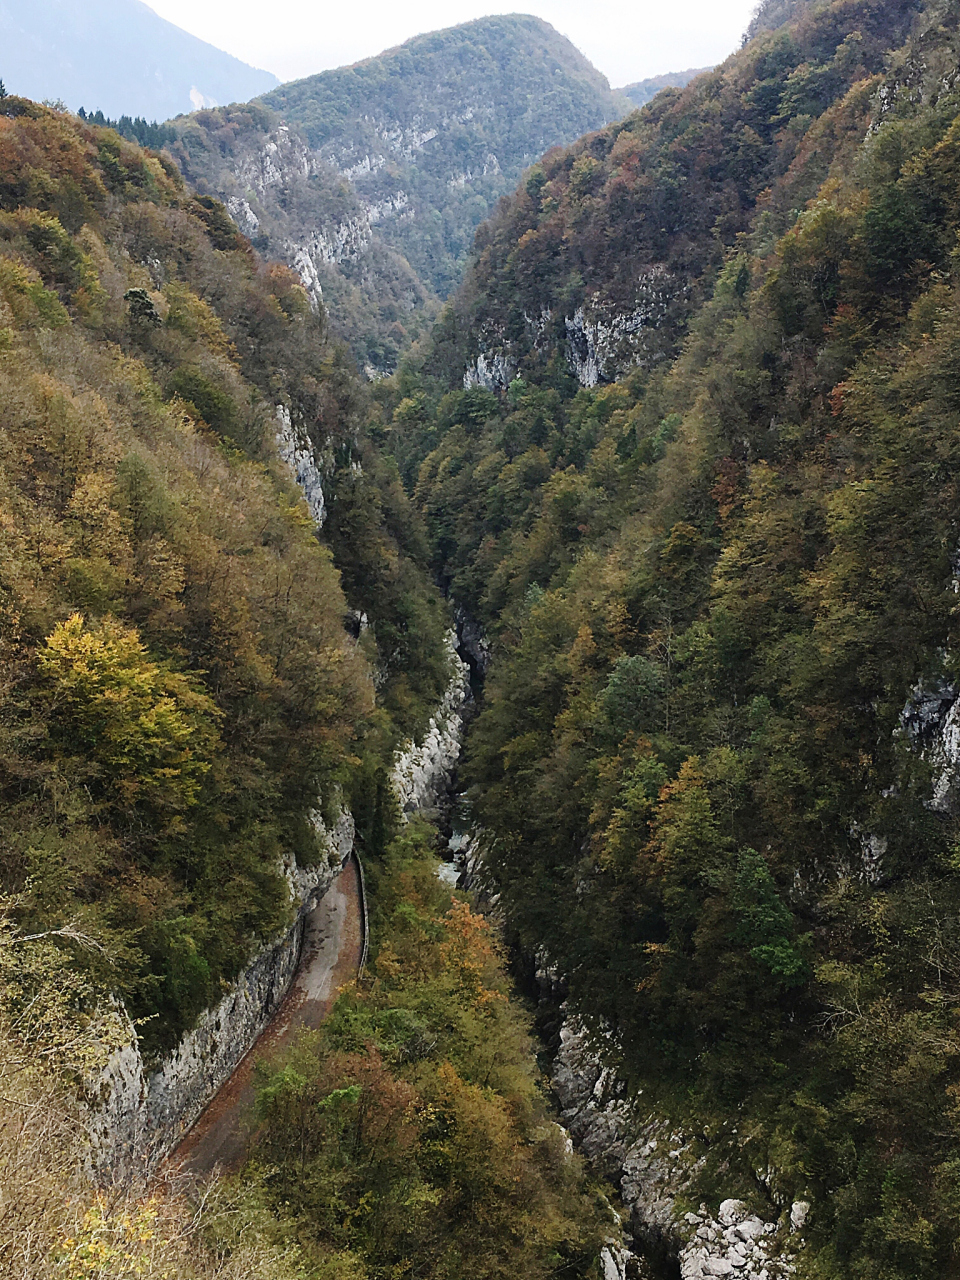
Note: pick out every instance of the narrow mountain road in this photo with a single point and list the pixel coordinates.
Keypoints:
(332, 951)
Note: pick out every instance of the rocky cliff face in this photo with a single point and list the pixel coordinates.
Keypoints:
(423, 772)
(652, 1166)
(599, 341)
(298, 455)
(930, 721)
(370, 181)
(140, 1111)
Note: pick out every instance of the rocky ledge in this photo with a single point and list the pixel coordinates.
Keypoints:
(422, 774)
(653, 1168)
(139, 1111)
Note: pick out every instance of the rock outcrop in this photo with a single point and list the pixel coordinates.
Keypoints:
(930, 721)
(140, 1112)
(423, 773)
(653, 1168)
(599, 341)
(298, 454)
(472, 642)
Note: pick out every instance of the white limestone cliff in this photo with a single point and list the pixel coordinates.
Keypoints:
(653, 1167)
(422, 773)
(140, 1111)
(297, 452)
(930, 721)
(601, 340)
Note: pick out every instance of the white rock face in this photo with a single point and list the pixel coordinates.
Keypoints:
(340, 242)
(200, 100)
(298, 454)
(282, 155)
(460, 181)
(306, 268)
(285, 157)
(308, 884)
(615, 1261)
(945, 755)
(653, 1167)
(423, 773)
(396, 141)
(930, 721)
(604, 341)
(243, 216)
(493, 372)
(141, 1113)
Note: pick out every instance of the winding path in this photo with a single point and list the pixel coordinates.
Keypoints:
(333, 951)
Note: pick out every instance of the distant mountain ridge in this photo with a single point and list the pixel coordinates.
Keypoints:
(372, 179)
(644, 91)
(117, 56)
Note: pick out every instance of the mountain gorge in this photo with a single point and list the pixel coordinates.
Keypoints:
(685, 443)
(679, 459)
(371, 180)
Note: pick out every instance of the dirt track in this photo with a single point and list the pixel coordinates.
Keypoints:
(332, 948)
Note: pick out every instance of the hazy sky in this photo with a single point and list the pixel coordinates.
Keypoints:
(627, 41)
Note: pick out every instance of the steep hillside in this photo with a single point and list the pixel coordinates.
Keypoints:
(701, 488)
(376, 179)
(116, 56)
(614, 244)
(187, 700)
(180, 699)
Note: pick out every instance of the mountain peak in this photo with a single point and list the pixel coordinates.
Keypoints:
(118, 56)
(373, 186)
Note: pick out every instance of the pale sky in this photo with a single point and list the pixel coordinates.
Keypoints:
(627, 41)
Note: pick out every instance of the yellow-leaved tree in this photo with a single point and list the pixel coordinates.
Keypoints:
(145, 733)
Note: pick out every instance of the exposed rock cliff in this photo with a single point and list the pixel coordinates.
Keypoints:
(299, 457)
(140, 1111)
(600, 341)
(653, 1168)
(371, 180)
(930, 721)
(422, 775)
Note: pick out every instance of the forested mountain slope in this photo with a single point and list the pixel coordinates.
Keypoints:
(370, 180)
(643, 91)
(179, 692)
(701, 487)
(613, 244)
(117, 56)
(192, 677)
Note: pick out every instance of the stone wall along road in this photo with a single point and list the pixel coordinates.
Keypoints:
(333, 945)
